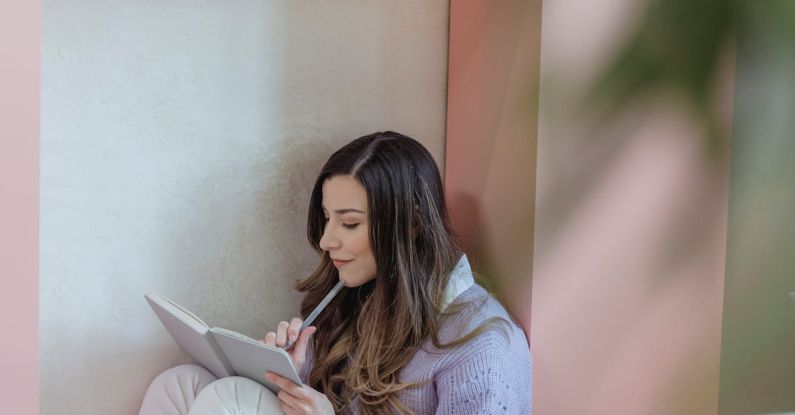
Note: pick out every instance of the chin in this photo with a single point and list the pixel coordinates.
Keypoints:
(352, 282)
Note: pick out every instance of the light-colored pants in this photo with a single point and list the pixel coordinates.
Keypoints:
(192, 390)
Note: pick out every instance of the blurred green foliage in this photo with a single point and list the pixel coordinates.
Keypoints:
(678, 46)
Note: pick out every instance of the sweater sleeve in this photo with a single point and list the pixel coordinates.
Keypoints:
(485, 379)
(303, 374)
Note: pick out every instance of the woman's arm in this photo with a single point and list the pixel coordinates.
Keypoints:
(487, 376)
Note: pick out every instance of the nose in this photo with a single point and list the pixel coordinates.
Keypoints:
(329, 241)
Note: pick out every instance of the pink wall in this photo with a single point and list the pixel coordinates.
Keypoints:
(621, 222)
(491, 139)
(19, 187)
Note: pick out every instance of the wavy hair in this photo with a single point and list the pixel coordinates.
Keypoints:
(415, 251)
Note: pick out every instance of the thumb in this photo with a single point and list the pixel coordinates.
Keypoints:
(300, 345)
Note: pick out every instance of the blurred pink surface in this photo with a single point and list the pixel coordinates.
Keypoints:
(491, 139)
(628, 281)
(617, 326)
(627, 252)
(19, 186)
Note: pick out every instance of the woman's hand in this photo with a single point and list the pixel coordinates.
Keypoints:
(285, 331)
(300, 400)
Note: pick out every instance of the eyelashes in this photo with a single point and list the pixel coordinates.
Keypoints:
(344, 225)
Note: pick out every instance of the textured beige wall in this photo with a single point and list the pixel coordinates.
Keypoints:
(179, 143)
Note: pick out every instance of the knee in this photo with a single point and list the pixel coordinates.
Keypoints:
(191, 375)
(174, 390)
(236, 394)
(235, 385)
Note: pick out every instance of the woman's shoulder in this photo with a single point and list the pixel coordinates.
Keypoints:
(496, 360)
(476, 308)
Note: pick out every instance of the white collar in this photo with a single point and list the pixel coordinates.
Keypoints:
(460, 280)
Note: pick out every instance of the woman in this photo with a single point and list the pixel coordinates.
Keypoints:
(411, 332)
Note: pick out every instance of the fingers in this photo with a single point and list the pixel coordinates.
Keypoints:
(299, 351)
(287, 386)
(290, 401)
(293, 329)
(281, 333)
(284, 331)
(270, 339)
(289, 410)
(296, 399)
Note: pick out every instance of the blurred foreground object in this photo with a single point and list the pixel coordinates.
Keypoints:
(757, 367)
(676, 48)
(631, 208)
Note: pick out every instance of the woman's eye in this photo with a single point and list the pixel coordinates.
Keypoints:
(349, 225)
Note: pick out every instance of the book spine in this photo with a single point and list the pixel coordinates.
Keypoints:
(224, 361)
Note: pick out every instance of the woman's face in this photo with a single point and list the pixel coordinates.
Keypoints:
(346, 236)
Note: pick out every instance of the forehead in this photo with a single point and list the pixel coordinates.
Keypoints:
(344, 192)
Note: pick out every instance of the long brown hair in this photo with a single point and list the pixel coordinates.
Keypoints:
(369, 333)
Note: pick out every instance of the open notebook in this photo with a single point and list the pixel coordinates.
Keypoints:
(223, 352)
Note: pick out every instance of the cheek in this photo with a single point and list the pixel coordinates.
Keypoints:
(361, 244)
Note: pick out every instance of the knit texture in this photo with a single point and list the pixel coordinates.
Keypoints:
(491, 374)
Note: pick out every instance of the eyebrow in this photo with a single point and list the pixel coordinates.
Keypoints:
(344, 211)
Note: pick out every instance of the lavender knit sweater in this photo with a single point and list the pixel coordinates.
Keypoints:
(489, 375)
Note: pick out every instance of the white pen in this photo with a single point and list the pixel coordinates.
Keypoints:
(316, 312)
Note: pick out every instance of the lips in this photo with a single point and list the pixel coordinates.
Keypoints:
(339, 263)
